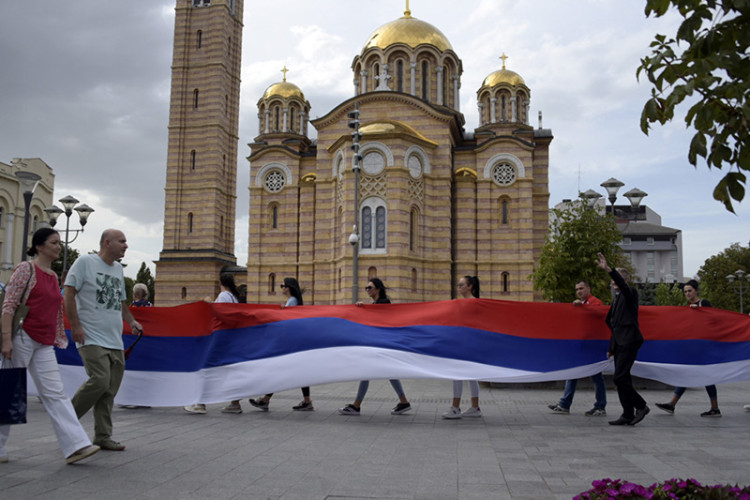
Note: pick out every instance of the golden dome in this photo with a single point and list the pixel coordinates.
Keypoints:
(283, 89)
(503, 76)
(409, 31)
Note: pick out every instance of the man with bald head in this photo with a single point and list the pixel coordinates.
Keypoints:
(95, 303)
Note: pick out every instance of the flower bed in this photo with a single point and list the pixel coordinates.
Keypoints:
(690, 489)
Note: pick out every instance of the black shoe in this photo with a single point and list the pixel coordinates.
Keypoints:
(667, 407)
(259, 403)
(400, 408)
(640, 415)
(713, 412)
(623, 420)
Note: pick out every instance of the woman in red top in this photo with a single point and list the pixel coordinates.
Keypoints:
(35, 284)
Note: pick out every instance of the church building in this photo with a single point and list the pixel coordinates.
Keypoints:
(432, 201)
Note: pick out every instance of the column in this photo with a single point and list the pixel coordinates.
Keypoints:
(8, 261)
(514, 116)
(456, 87)
(493, 110)
(268, 121)
(363, 81)
(413, 67)
(284, 126)
(480, 107)
(439, 71)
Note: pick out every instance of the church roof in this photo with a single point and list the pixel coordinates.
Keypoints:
(409, 31)
(503, 76)
(284, 89)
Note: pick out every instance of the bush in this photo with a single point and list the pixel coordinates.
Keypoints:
(682, 489)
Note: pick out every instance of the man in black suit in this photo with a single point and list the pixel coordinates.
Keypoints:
(626, 339)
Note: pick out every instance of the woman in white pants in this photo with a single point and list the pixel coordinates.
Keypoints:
(468, 288)
(35, 284)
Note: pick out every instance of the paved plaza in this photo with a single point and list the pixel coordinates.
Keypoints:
(518, 450)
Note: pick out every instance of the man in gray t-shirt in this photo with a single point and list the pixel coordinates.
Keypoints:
(96, 305)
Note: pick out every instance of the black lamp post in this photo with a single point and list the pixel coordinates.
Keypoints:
(591, 197)
(356, 164)
(635, 196)
(740, 286)
(612, 185)
(29, 182)
(69, 204)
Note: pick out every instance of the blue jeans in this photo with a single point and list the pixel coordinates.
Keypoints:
(600, 390)
(710, 389)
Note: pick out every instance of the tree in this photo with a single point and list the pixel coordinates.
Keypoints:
(669, 294)
(711, 68)
(576, 235)
(58, 264)
(144, 276)
(713, 273)
(129, 289)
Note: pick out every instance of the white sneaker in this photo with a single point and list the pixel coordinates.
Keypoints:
(473, 411)
(198, 408)
(747, 407)
(452, 413)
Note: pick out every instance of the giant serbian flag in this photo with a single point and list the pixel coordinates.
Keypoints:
(204, 352)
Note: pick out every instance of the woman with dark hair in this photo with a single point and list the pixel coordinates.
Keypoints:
(228, 294)
(468, 288)
(32, 346)
(694, 301)
(293, 293)
(376, 290)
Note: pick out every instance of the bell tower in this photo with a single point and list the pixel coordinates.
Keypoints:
(200, 192)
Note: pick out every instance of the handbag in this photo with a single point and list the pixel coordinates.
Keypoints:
(12, 395)
(22, 310)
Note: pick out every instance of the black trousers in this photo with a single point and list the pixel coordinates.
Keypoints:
(629, 398)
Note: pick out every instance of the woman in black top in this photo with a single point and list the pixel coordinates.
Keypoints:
(694, 301)
(376, 290)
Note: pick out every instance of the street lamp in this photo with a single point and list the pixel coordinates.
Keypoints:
(69, 204)
(635, 196)
(356, 164)
(29, 182)
(591, 197)
(740, 286)
(612, 185)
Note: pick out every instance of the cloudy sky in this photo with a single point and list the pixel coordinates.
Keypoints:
(85, 86)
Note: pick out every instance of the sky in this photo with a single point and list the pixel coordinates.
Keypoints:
(85, 85)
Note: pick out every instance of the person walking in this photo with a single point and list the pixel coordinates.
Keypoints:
(583, 292)
(293, 293)
(140, 296)
(468, 288)
(694, 301)
(228, 294)
(35, 284)
(626, 340)
(96, 305)
(376, 290)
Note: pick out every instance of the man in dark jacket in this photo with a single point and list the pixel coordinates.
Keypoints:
(626, 340)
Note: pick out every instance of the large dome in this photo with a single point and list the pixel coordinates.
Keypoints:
(503, 76)
(410, 31)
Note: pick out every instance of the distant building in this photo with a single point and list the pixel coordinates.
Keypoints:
(655, 251)
(12, 209)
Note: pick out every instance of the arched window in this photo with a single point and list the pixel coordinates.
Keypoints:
(277, 112)
(2, 216)
(425, 76)
(413, 279)
(34, 224)
(506, 282)
(226, 105)
(221, 227)
(340, 280)
(291, 119)
(190, 222)
(373, 224)
(504, 211)
(183, 293)
(274, 222)
(271, 284)
(192, 160)
(224, 163)
(375, 76)
(200, 38)
(502, 108)
(372, 272)
(400, 76)
(195, 98)
(413, 229)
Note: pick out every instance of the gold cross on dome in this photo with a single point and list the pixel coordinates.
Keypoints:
(284, 70)
(504, 57)
(407, 12)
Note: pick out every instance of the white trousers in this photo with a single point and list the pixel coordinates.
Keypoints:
(41, 363)
(458, 388)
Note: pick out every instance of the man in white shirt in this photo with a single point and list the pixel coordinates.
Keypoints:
(96, 305)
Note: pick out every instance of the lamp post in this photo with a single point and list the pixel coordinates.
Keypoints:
(356, 164)
(69, 204)
(635, 196)
(612, 185)
(591, 197)
(29, 182)
(740, 286)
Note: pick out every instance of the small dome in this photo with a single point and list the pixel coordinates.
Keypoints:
(409, 31)
(503, 76)
(283, 89)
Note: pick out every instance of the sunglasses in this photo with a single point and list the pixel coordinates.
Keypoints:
(282, 286)
(368, 288)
